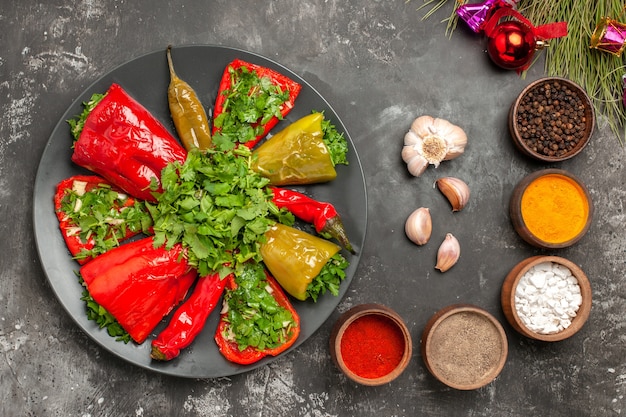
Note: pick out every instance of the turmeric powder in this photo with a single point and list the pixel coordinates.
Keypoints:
(554, 208)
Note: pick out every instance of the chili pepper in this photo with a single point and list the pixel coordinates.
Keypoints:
(187, 111)
(139, 284)
(94, 216)
(295, 257)
(233, 114)
(322, 215)
(230, 348)
(296, 154)
(127, 145)
(189, 318)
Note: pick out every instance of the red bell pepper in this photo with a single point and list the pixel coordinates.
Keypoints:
(123, 142)
(230, 349)
(69, 205)
(322, 215)
(189, 318)
(227, 93)
(139, 284)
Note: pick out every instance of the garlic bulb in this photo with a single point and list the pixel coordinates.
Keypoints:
(455, 190)
(430, 141)
(448, 253)
(419, 226)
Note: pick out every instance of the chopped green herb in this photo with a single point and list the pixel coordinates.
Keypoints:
(217, 207)
(255, 317)
(329, 278)
(104, 319)
(335, 142)
(77, 123)
(251, 102)
(105, 216)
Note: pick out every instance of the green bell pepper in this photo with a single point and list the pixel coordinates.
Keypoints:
(296, 155)
(295, 258)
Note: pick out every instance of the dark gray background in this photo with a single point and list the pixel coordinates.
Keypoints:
(379, 65)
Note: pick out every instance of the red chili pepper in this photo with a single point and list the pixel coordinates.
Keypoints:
(123, 142)
(321, 214)
(189, 318)
(250, 355)
(284, 82)
(70, 231)
(139, 284)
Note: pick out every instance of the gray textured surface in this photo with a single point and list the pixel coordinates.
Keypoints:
(380, 66)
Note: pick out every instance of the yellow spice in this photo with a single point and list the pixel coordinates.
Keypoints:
(554, 208)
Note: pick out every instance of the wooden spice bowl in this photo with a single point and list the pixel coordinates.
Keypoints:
(464, 346)
(564, 116)
(510, 309)
(371, 344)
(536, 228)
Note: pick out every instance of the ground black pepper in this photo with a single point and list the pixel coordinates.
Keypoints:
(551, 118)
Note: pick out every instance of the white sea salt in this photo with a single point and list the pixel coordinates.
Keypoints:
(547, 298)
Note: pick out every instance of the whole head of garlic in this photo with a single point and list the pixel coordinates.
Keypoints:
(431, 140)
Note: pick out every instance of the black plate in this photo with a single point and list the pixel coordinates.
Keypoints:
(146, 79)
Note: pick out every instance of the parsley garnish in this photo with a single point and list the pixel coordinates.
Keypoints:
(103, 318)
(329, 278)
(77, 123)
(251, 102)
(335, 142)
(102, 214)
(254, 316)
(217, 207)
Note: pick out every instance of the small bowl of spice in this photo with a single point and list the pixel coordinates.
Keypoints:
(546, 298)
(464, 346)
(371, 344)
(552, 119)
(551, 209)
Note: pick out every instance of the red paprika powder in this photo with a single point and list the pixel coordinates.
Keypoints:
(372, 346)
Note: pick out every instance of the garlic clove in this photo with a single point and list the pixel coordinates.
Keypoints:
(419, 226)
(455, 190)
(442, 127)
(407, 153)
(411, 138)
(456, 144)
(448, 253)
(415, 162)
(423, 126)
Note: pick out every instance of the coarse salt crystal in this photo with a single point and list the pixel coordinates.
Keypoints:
(561, 271)
(538, 280)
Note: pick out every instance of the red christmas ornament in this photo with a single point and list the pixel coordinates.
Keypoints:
(512, 43)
